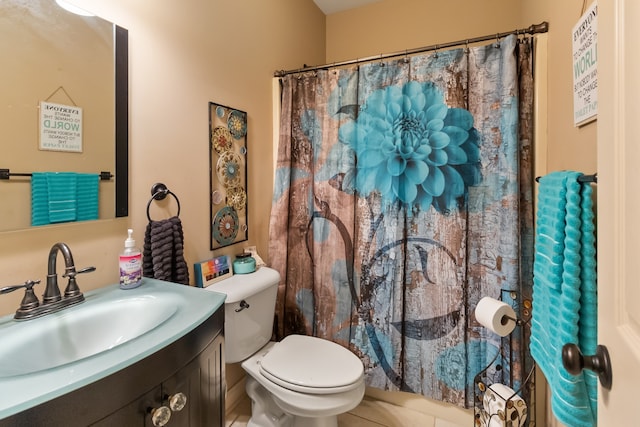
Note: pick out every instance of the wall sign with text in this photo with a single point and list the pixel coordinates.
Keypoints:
(60, 127)
(585, 67)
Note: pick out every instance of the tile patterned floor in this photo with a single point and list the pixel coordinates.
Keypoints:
(370, 413)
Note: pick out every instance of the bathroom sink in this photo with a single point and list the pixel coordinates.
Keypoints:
(46, 357)
(71, 335)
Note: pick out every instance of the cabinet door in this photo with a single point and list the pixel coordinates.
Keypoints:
(133, 414)
(201, 381)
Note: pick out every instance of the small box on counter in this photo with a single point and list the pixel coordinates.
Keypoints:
(212, 271)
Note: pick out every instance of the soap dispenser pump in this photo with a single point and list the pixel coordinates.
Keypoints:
(130, 264)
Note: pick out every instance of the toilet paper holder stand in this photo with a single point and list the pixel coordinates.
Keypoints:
(499, 371)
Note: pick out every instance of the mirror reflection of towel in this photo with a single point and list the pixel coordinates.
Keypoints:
(63, 196)
(61, 190)
(87, 185)
(39, 199)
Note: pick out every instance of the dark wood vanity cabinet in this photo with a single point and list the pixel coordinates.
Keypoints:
(192, 365)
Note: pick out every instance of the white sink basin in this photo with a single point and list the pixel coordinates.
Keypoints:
(46, 357)
(69, 336)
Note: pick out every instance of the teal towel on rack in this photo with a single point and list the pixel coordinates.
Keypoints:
(39, 199)
(61, 188)
(63, 197)
(87, 186)
(564, 293)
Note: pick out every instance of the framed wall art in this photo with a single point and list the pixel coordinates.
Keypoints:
(228, 175)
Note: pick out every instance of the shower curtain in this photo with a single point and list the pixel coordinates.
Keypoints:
(403, 195)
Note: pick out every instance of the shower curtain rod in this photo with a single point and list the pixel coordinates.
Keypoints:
(533, 29)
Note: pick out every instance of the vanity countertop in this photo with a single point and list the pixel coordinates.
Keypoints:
(26, 390)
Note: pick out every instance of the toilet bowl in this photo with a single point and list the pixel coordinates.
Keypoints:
(299, 396)
(300, 381)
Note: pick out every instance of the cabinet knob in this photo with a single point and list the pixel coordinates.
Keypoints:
(160, 416)
(177, 401)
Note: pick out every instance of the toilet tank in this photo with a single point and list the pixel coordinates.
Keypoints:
(248, 329)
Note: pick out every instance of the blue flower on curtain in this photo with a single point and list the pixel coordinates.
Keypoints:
(412, 148)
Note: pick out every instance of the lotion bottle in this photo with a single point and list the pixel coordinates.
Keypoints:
(130, 264)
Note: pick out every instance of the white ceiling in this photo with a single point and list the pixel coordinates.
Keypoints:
(333, 6)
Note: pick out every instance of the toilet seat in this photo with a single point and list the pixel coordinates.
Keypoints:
(312, 365)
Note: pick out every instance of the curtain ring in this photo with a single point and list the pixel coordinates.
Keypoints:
(466, 46)
(406, 56)
(435, 55)
(381, 63)
(497, 39)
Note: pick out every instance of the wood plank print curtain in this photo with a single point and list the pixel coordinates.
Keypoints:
(403, 196)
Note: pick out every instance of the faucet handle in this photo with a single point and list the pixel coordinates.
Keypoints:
(27, 285)
(74, 273)
(72, 289)
(30, 300)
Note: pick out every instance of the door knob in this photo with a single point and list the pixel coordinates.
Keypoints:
(600, 363)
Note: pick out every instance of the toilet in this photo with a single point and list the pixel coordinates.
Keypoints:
(300, 381)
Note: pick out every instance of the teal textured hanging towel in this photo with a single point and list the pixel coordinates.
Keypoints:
(61, 188)
(87, 186)
(39, 199)
(63, 196)
(564, 293)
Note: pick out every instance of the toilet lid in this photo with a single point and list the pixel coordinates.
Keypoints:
(302, 362)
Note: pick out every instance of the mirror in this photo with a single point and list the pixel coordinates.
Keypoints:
(57, 57)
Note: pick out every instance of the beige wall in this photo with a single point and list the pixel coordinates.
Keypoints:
(396, 25)
(567, 147)
(182, 55)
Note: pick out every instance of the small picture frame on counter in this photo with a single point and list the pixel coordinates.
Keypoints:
(212, 270)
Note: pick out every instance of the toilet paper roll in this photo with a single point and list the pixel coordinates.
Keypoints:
(503, 406)
(494, 315)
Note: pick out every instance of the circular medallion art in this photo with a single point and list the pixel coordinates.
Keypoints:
(228, 169)
(216, 197)
(220, 111)
(225, 226)
(237, 123)
(221, 139)
(236, 198)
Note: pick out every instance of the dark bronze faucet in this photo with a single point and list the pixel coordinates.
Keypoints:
(52, 300)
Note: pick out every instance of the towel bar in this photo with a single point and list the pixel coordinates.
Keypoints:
(584, 178)
(6, 174)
